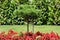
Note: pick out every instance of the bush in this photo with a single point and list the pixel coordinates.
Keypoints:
(49, 11)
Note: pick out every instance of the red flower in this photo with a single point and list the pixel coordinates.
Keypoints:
(29, 36)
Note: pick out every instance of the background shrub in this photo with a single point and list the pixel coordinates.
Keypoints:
(49, 11)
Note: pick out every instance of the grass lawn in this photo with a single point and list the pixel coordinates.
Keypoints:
(41, 28)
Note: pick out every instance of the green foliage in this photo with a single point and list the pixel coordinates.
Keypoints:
(27, 12)
(11, 10)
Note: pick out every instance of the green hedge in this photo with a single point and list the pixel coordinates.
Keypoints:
(49, 11)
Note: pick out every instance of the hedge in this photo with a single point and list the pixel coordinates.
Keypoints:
(49, 11)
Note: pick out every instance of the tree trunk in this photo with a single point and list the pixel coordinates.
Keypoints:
(33, 27)
(27, 26)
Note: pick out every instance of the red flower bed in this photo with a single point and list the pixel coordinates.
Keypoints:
(11, 35)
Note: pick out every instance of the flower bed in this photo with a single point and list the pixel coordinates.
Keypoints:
(11, 35)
